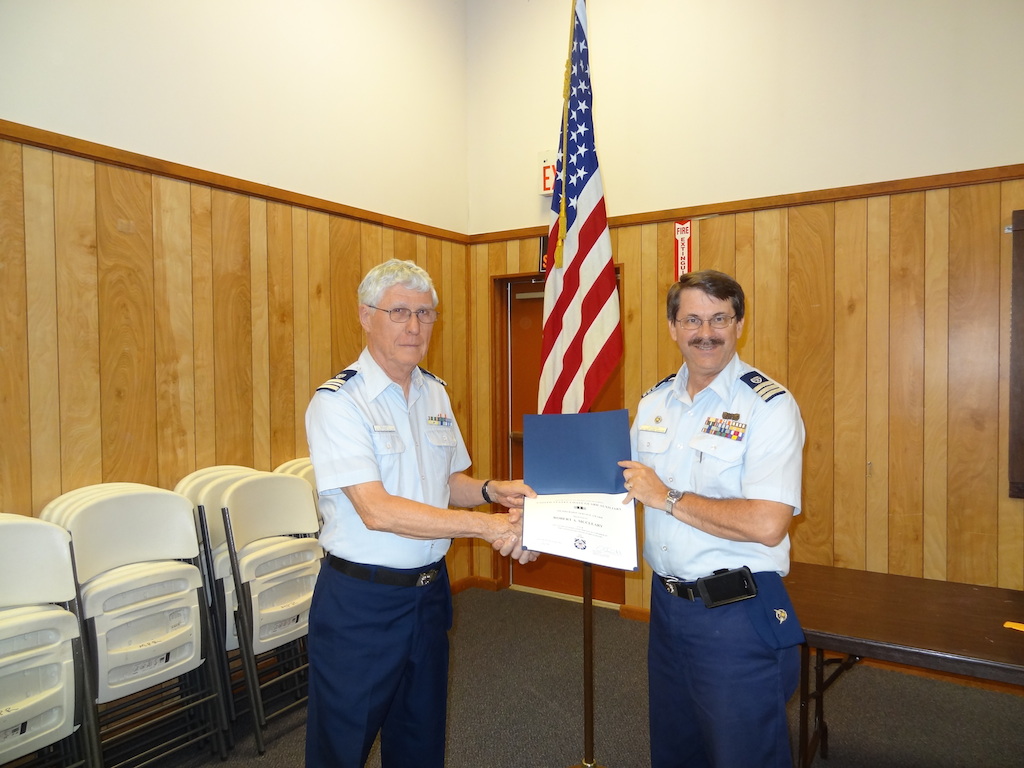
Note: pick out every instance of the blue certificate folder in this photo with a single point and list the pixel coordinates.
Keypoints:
(575, 452)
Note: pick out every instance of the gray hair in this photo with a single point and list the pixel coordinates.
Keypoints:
(392, 272)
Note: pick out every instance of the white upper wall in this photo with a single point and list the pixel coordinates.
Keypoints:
(706, 101)
(360, 102)
(435, 111)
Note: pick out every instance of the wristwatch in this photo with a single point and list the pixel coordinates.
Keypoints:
(672, 497)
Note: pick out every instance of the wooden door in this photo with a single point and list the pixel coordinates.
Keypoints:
(524, 323)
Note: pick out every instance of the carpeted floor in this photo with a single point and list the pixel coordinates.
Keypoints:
(516, 701)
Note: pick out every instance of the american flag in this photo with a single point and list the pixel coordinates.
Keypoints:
(582, 340)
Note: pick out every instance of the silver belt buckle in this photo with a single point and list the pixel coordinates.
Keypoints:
(426, 577)
(671, 586)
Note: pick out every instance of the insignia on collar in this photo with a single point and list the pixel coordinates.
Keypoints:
(333, 385)
(765, 388)
(435, 377)
(663, 381)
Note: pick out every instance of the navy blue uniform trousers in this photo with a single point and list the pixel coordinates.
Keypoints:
(378, 658)
(719, 679)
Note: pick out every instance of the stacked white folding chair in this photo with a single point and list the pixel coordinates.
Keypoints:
(148, 624)
(270, 522)
(45, 709)
(205, 488)
(303, 467)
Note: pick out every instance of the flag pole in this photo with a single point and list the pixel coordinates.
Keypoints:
(588, 597)
(588, 669)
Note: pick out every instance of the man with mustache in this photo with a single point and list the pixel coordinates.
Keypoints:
(717, 449)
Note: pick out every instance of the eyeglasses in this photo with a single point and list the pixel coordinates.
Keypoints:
(404, 314)
(694, 323)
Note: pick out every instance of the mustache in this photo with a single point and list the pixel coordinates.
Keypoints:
(704, 341)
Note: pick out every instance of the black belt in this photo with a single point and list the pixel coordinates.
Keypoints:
(381, 575)
(720, 588)
(687, 589)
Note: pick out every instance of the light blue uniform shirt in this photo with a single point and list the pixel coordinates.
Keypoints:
(360, 429)
(741, 437)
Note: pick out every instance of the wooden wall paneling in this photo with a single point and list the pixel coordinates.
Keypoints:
(299, 352)
(387, 243)
(457, 362)
(936, 380)
(850, 401)
(203, 324)
(876, 541)
(371, 247)
(264, 247)
(654, 286)
(405, 247)
(655, 274)
(906, 383)
(16, 468)
(770, 293)
(232, 339)
(744, 239)
(529, 255)
(282, 240)
(696, 257)
(1011, 511)
(124, 216)
(40, 287)
(718, 243)
(187, 302)
(812, 370)
(639, 287)
(317, 289)
(78, 346)
(440, 339)
(669, 357)
(346, 274)
(973, 377)
(172, 311)
(635, 370)
(491, 262)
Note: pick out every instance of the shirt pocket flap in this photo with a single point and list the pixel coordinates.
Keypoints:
(721, 448)
(387, 442)
(652, 442)
(444, 437)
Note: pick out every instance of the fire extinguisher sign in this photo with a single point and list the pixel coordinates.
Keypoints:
(683, 255)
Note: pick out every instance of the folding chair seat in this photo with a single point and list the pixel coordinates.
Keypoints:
(144, 605)
(270, 523)
(145, 622)
(42, 679)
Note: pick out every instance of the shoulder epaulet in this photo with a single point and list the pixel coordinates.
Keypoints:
(663, 381)
(765, 388)
(435, 377)
(333, 385)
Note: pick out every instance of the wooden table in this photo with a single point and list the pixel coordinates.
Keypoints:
(924, 623)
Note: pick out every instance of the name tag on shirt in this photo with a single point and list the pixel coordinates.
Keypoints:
(384, 428)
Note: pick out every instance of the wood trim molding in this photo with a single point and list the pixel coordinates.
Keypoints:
(99, 152)
(86, 149)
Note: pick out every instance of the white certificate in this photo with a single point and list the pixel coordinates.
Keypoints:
(594, 527)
